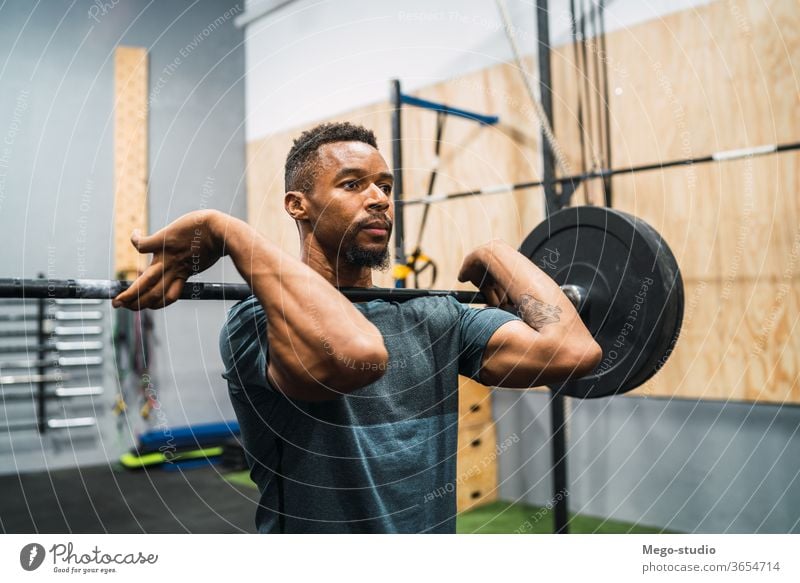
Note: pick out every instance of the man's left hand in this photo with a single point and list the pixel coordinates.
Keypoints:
(478, 267)
(185, 247)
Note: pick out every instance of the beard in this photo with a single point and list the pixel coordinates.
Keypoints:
(355, 254)
(360, 256)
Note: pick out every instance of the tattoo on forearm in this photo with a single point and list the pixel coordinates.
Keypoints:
(537, 314)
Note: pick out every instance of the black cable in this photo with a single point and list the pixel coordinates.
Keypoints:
(598, 98)
(578, 71)
(607, 182)
(586, 88)
(429, 264)
(412, 261)
(437, 148)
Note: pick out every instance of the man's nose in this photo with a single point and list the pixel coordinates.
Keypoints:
(377, 199)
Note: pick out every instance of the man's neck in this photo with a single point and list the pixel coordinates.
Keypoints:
(334, 269)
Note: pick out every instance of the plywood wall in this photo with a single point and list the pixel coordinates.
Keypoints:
(130, 157)
(716, 77)
(724, 76)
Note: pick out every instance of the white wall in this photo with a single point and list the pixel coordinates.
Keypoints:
(315, 58)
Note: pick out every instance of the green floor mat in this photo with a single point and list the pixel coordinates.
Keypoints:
(507, 518)
(240, 478)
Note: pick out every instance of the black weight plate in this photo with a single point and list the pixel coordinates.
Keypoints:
(634, 303)
(671, 316)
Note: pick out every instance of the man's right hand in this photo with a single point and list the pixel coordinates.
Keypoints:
(185, 247)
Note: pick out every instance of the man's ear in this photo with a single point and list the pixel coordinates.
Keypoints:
(295, 204)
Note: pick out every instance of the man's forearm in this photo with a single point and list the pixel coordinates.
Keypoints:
(313, 330)
(537, 299)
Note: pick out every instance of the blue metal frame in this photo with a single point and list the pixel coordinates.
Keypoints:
(454, 111)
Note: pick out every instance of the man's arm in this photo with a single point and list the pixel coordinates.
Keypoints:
(320, 345)
(317, 338)
(550, 344)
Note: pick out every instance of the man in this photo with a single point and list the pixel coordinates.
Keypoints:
(349, 412)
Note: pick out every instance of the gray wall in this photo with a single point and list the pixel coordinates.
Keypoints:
(688, 466)
(56, 181)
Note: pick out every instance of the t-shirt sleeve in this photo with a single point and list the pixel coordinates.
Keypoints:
(243, 346)
(477, 325)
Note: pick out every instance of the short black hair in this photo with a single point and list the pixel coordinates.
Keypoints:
(300, 163)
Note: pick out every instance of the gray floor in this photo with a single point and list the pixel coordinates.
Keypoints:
(107, 500)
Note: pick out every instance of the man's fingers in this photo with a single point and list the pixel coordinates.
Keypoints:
(140, 286)
(174, 292)
(162, 294)
(491, 297)
(153, 298)
(466, 273)
(146, 244)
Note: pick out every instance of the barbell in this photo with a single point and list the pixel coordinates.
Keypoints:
(618, 272)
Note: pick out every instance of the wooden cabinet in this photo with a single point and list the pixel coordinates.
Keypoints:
(477, 446)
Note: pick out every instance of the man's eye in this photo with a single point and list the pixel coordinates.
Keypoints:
(387, 188)
(352, 185)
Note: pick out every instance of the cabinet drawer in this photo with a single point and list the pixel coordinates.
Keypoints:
(474, 402)
(476, 466)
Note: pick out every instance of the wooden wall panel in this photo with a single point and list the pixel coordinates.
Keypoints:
(712, 78)
(130, 156)
(729, 353)
(718, 76)
(724, 221)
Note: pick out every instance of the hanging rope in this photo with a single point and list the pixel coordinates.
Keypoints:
(547, 129)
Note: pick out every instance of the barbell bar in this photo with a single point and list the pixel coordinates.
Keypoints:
(195, 290)
(618, 272)
(576, 179)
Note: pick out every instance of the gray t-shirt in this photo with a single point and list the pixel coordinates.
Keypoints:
(370, 461)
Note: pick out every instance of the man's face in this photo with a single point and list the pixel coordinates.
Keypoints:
(350, 208)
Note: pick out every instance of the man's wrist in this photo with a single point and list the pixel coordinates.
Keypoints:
(507, 267)
(496, 256)
(236, 239)
(224, 229)
(484, 254)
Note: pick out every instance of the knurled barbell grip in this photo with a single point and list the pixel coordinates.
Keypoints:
(195, 290)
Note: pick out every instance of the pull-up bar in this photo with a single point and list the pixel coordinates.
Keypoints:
(454, 111)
